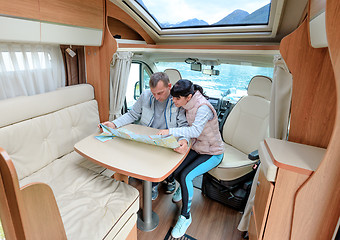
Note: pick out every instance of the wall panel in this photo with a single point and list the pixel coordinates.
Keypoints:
(85, 13)
(314, 94)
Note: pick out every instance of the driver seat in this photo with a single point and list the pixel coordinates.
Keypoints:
(173, 74)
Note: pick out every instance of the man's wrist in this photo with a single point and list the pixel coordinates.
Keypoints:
(183, 138)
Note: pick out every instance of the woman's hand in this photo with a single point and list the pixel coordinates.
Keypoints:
(108, 124)
(163, 132)
(183, 146)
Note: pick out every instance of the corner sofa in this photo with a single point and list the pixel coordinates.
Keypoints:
(38, 133)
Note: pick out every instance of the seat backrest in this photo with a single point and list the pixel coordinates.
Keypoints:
(30, 212)
(248, 122)
(36, 130)
(173, 74)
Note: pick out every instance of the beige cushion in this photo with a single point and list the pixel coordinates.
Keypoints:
(34, 143)
(234, 164)
(173, 74)
(22, 108)
(87, 216)
(260, 86)
(247, 124)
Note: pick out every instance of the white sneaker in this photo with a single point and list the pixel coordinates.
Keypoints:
(181, 226)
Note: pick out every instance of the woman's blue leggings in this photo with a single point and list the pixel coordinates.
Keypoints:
(193, 165)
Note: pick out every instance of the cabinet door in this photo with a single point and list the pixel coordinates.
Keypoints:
(84, 13)
(263, 198)
(20, 8)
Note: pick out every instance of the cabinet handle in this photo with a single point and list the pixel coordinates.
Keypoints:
(258, 183)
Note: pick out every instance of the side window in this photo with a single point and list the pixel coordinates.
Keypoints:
(138, 81)
(146, 78)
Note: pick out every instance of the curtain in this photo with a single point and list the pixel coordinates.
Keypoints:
(74, 66)
(119, 75)
(278, 122)
(280, 100)
(28, 69)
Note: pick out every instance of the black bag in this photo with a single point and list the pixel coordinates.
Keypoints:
(232, 193)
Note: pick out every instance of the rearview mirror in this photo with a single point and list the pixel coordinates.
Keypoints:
(211, 72)
(196, 66)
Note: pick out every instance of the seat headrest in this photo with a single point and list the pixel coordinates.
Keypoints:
(260, 86)
(173, 74)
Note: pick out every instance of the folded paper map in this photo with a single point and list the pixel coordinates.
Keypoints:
(168, 141)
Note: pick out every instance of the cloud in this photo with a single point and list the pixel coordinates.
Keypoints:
(174, 11)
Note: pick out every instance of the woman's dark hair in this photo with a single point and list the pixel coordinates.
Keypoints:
(184, 88)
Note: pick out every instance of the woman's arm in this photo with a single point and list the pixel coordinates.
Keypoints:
(203, 115)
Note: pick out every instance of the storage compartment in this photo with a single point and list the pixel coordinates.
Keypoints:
(264, 193)
(232, 193)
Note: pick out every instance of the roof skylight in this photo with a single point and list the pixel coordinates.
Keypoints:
(176, 14)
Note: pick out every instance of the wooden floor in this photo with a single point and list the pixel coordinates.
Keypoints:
(210, 220)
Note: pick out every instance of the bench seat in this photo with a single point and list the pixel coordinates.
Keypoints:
(38, 133)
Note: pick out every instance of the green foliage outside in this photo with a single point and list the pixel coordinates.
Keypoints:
(2, 234)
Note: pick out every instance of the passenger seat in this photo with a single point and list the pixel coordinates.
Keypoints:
(246, 125)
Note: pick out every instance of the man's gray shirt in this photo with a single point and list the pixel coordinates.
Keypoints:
(152, 113)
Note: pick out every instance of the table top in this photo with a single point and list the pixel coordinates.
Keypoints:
(139, 160)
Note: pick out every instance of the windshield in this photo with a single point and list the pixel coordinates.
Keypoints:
(231, 84)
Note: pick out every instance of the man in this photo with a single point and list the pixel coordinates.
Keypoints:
(155, 108)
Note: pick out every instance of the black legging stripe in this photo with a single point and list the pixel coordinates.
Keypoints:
(192, 161)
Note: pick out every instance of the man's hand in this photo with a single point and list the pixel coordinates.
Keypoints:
(108, 124)
(183, 146)
(163, 132)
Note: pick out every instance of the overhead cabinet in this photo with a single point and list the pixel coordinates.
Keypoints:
(61, 22)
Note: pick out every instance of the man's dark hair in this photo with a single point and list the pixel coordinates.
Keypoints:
(158, 76)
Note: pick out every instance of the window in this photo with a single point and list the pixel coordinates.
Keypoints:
(28, 69)
(24, 59)
(197, 20)
(199, 13)
(138, 80)
(231, 84)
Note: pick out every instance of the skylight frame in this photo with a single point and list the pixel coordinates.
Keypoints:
(254, 31)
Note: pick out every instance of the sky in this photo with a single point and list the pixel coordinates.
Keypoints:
(211, 11)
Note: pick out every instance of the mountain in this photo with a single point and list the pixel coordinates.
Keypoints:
(261, 15)
(186, 23)
(233, 18)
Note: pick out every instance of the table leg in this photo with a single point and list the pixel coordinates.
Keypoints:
(147, 219)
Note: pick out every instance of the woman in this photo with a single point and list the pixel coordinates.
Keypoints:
(207, 148)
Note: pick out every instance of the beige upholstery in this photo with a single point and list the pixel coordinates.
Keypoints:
(244, 129)
(39, 133)
(173, 74)
(260, 86)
